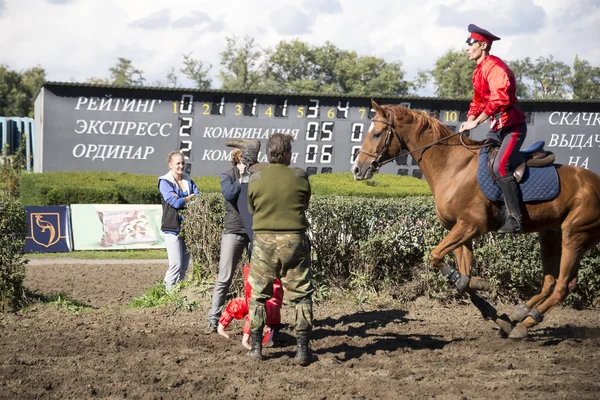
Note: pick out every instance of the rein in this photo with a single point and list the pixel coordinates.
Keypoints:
(376, 163)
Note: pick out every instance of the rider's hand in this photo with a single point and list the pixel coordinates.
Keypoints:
(468, 125)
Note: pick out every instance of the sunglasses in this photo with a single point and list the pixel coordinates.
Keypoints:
(471, 41)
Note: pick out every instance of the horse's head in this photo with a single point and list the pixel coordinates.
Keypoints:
(382, 143)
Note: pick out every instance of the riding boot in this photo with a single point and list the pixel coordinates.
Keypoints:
(510, 192)
(250, 149)
(303, 352)
(256, 345)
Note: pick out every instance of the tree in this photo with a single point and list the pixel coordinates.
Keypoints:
(14, 96)
(172, 78)
(296, 67)
(289, 67)
(18, 90)
(195, 71)
(585, 81)
(33, 79)
(550, 78)
(125, 74)
(242, 65)
(452, 75)
(522, 70)
(122, 74)
(370, 76)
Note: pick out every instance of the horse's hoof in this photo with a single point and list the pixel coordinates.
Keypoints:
(519, 313)
(477, 283)
(504, 324)
(518, 332)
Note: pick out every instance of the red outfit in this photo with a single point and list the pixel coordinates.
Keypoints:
(495, 93)
(238, 307)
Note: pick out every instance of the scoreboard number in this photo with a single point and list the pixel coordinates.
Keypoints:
(342, 112)
(185, 130)
(327, 131)
(185, 147)
(187, 104)
(250, 108)
(185, 126)
(354, 154)
(312, 154)
(312, 129)
(281, 109)
(313, 110)
(218, 106)
(326, 153)
(357, 132)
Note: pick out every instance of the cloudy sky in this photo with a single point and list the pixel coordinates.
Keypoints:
(78, 39)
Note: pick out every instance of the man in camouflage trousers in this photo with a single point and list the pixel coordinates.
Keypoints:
(278, 197)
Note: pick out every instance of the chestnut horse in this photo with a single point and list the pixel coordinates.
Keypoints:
(568, 225)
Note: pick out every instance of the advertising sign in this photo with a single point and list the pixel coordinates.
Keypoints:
(48, 229)
(116, 226)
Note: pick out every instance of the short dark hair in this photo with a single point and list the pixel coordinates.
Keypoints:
(278, 145)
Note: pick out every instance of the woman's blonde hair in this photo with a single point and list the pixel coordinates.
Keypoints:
(236, 156)
(173, 154)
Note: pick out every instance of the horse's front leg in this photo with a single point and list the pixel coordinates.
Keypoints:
(460, 234)
(464, 260)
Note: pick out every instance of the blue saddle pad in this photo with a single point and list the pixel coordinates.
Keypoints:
(537, 184)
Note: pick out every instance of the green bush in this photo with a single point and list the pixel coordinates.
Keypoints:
(65, 188)
(13, 229)
(379, 238)
(384, 245)
(381, 186)
(513, 266)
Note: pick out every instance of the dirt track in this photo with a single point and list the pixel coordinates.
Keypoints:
(419, 350)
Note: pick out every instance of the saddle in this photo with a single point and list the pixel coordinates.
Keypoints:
(532, 156)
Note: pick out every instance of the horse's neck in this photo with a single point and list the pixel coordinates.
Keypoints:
(443, 161)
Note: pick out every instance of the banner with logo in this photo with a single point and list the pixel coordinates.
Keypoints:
(116, 226)
(49, 229)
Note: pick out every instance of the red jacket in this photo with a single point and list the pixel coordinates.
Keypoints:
(238, 307)
(494, 93)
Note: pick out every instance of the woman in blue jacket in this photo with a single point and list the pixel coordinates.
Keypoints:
(176, 189)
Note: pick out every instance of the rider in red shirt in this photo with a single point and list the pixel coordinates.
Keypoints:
(494, 97)
(238, 309)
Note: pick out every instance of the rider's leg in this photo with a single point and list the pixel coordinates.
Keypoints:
(506, 161)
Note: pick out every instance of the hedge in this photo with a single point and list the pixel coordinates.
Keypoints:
(378, 239)
(64, 188)
(384, 245)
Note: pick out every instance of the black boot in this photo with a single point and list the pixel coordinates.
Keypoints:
(303, 352)
(250, 149)
(256, 345)
(510, 191)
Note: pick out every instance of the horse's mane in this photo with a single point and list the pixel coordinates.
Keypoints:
(424, 121)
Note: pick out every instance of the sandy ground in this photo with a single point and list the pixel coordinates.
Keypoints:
(389, 351)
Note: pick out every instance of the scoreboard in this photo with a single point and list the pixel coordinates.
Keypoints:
(85, 127)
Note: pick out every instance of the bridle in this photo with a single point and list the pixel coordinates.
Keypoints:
(391, 133)
(376, 163)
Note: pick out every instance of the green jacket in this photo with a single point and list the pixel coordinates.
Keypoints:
(278, 197)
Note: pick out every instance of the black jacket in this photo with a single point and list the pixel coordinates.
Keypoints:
(236, 202)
